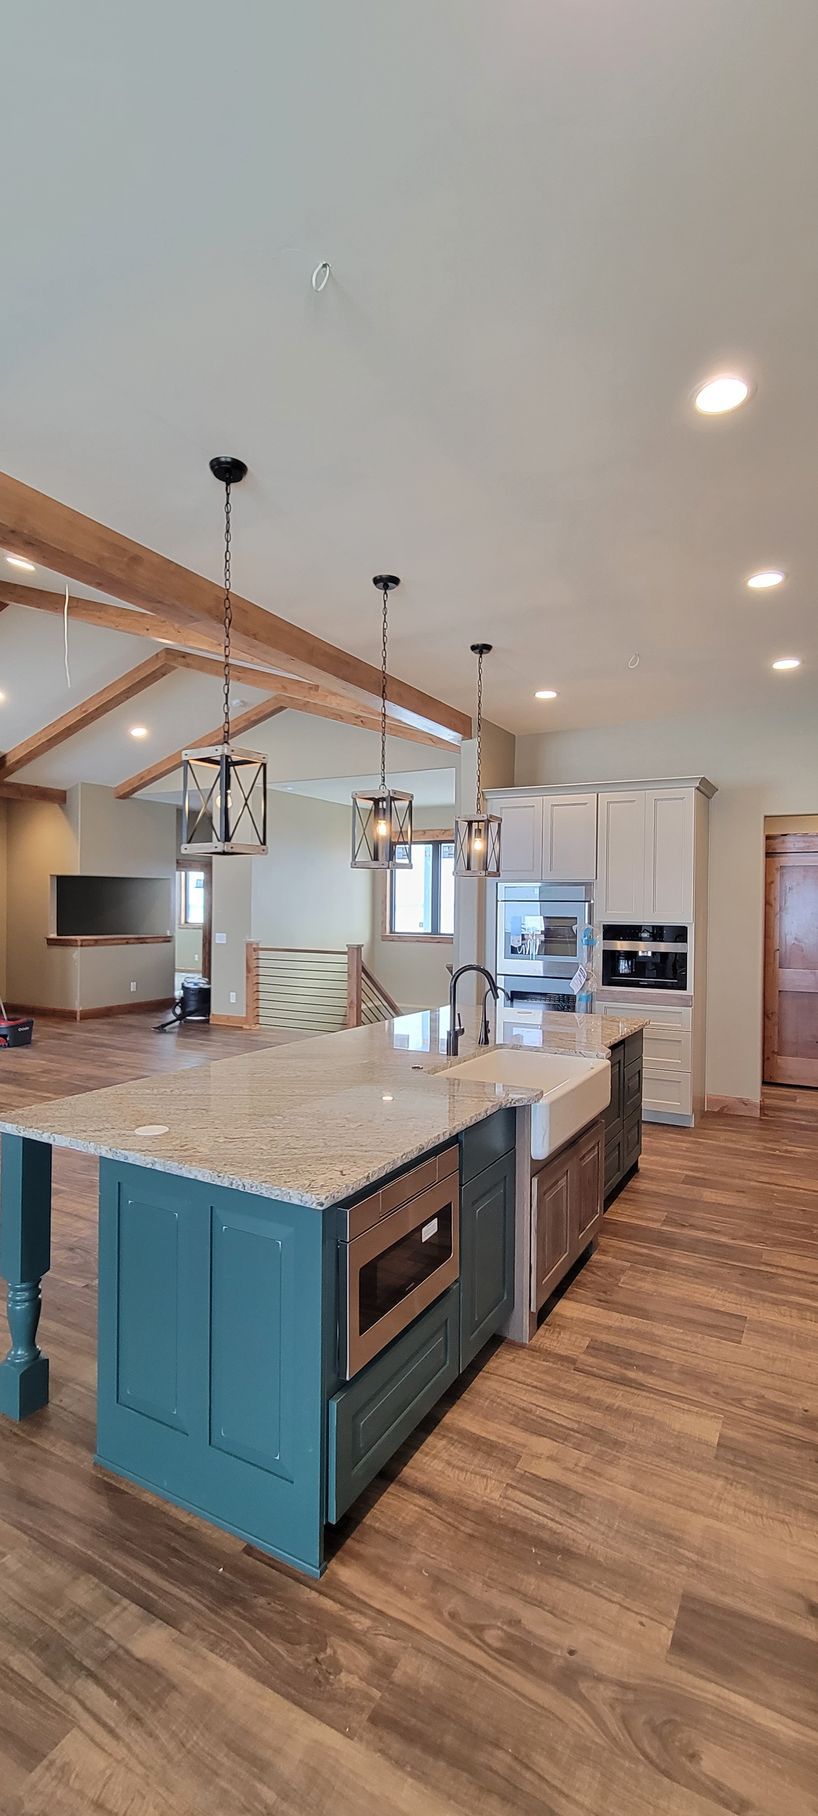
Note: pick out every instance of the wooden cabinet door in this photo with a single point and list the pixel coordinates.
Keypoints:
(486, 1255)
(551, 1189)
(669, 854)
(791, 967)
(587, 1188)
(521, 854)
(569, 838)
(621, 856)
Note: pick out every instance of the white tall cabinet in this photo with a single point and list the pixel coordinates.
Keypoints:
(644, 845)
(646, 854)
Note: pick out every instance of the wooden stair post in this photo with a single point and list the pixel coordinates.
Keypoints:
(251, 1017)
(355, 972)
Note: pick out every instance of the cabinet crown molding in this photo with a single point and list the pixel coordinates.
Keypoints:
(705, 787)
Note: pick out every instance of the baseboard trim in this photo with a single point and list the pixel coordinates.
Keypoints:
(78, 1015)
(228, 1021)
(732, 1106)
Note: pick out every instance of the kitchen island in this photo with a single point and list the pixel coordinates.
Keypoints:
(263, 1347)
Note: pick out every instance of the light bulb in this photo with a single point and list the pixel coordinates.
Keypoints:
(478, 843)
(382, 827)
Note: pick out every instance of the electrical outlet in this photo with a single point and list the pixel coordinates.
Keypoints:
(133, 985)
(232, 996)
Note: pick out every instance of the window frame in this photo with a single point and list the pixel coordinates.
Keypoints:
(435, 836)
(184, 872)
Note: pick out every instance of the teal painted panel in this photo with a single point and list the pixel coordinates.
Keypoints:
(148, 1334)
(252, 1281)
(486, 1256)
(370, 1417)
(486, 1142)
(253, 1312)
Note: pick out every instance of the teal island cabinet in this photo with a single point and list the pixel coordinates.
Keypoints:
(262, 1351)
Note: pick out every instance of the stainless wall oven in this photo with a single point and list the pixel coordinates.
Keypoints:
(539, 929)
(645, 958)
(399, 1251)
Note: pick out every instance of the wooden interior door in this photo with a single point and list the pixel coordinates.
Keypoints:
(791, 960)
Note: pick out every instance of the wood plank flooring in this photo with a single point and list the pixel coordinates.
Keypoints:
(590, 1587)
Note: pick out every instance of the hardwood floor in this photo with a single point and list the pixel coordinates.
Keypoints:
(590, 1588)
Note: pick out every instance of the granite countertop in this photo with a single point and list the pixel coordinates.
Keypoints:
(314, 1121)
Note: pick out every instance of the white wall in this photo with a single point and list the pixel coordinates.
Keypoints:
(762, 765)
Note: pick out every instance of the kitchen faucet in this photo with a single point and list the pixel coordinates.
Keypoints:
(455, 1025)
(484, 1037)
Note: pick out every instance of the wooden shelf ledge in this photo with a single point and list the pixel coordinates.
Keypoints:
(109, 939)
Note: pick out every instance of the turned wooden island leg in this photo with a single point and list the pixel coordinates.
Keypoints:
(25, 1255)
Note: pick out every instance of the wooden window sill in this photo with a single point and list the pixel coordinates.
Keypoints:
(422, 939)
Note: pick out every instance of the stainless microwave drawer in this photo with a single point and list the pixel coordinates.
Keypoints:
(362, 1337)
(368, 1211)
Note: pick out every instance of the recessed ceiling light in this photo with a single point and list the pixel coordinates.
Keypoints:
(765, 578)
(20, 561)
(545, 693)
(722, 393)
(138, 731)
(788, 662)
(2, 696)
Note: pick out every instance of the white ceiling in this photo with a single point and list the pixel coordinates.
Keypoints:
(546, 223)
(428, 787)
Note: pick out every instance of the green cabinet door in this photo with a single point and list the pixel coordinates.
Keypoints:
(486, 1255)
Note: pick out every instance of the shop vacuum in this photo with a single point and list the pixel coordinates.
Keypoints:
(193, 1004)
(15, 1030)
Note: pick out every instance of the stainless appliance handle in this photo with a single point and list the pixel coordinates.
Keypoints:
(643, 946)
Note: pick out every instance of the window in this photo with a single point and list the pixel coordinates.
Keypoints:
(421, 900)
(191, 898)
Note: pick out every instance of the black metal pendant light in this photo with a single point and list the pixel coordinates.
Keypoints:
(382, 817)
(224, 789)
(477, 836)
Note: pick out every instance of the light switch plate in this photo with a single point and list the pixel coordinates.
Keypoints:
(220, 938)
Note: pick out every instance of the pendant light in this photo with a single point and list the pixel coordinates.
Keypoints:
(477, 836)
(382, 817)
(224, 789)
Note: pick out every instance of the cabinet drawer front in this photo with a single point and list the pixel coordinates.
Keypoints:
(669, 1047)
(372, 1415)
(631, 1142)
(677, 1016)
(632, 1098)
(613, 1113)
(613, 1161)
(667, 1091)
(486, 1142)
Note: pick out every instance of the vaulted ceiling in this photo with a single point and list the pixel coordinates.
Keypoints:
(546, 222)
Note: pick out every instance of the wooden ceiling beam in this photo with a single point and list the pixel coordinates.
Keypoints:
(109, 617)
(85, 713)
(309, 697)
(32, 791)
(255, 715)
(44, 530)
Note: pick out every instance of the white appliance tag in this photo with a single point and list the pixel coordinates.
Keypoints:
(429, 1229)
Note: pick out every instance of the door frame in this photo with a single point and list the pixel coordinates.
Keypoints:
(206, 867)
(776, 845)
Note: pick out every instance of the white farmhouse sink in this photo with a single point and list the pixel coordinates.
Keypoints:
(574, 1090)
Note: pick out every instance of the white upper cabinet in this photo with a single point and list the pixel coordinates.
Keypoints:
(669, 854)
(521, 838)
(621, 858)
(646, 855)
(569, 838)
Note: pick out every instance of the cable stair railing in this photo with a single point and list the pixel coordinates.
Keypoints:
(321, 989)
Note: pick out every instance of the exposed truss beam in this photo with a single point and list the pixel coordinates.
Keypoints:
(110, 617)
(44, 530)
(32, 791)
(86, 713)
(309, 697)
(255, 715)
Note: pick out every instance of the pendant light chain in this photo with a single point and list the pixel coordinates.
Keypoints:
(228, 611)
(479, 731)
(384, 637)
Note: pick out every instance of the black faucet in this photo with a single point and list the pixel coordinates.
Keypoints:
(455, 1026)
(484, 1037)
